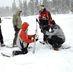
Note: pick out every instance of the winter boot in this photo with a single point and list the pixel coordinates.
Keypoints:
(2, 45)
(14, 45)
(15, 53)
(56, 49)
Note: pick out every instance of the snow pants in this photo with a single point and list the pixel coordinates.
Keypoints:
(1, 37)
(55, 41)
(15, 38)
(23, 50)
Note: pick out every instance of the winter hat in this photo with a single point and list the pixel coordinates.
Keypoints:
(42, 7)
(52, 22)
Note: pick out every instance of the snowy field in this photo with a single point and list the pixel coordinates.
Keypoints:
(44, 59)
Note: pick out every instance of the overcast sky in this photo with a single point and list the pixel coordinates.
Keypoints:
(6, 3)
(9, 2)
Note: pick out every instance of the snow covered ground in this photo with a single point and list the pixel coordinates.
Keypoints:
(44, 59)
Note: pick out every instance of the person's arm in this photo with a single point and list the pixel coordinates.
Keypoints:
(30, 36)
(53, 32)
(14, 20)
(49, 17)
(25, 39)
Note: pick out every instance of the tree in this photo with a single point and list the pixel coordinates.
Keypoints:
(25, 12)
(31, 7)
(36, 7)
(7, 13)
(14, 7)
(45, 3)
(20, 5)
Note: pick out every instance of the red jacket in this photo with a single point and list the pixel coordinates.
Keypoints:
(45, 14)
(23, 34)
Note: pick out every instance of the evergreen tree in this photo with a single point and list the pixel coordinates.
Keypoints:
(45, 3)
(36, 7)
(14, 7)
(7, 13)
(20, 5)
(31, 7)
(25, 10)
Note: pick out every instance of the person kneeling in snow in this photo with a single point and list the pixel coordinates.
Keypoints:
(56, 37)
(24, 39)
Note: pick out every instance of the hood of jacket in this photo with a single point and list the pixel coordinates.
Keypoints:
(18, 10)
(24, 26)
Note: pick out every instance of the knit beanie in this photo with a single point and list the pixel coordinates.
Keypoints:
(42, 6)
(52, 22)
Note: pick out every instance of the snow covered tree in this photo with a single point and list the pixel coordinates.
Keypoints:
(25, 10)
(36, 7)
(20, 4)
(45, 3)
(31, 7)
(14, 7)
(7, 11)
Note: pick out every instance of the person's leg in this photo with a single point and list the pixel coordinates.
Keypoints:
(45, 36)
(1, 37)
(23, 50)
(17, 52)
(15, 38)
(60, 41)
(56, 41)
(50, 41)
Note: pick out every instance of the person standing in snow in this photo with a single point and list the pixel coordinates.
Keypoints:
(1, 36)
(56, 37)
(16, 24)
(44, 19)
(24, 39)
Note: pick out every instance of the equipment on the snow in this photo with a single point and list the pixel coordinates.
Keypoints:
(11, 46)
(61, 47)
(35, 37)
(5, 55)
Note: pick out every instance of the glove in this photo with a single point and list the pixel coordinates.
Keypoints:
(43, 31)
(15, 27)
(34, 35)
(36, 20)
(37, 39)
